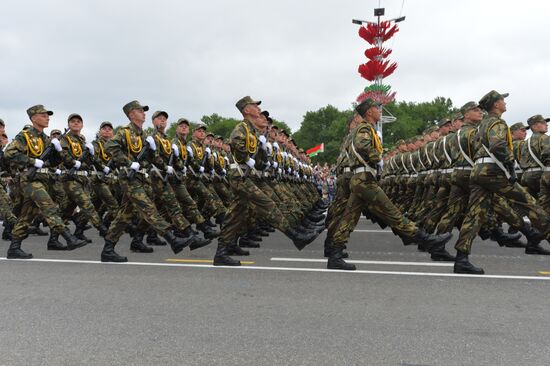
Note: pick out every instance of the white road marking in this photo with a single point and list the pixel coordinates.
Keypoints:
(373, 231)
(308, 260)
(289, 269)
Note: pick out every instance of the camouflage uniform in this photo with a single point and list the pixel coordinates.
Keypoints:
(102, 179)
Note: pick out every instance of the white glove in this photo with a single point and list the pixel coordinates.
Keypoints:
(226, 159)
(90, 148)
(215, 156)
(285, 154)
(184, 170)
(190, 151)
(269, 148)
(208, 151)
(224, 172)
(212, 172)
(276, 145)
(77, 164)
(275, 165)
(56, 144)
(176, 150)
(58, 172)
(169, 170)
(262, 140)
(305, 177)
(267, 165)
(280, 171)
(151, 141)
(38, 163)
(106, 170)
(289, 170)
(251, 162)
(201, 169)
(134, 166)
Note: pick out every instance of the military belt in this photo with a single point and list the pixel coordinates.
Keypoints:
(545, 169)
(41, 170)
(462, 168)
(236, 166)
(363, 169)
(485, 160)
(347, 169)
(447, 171)
(78, 172)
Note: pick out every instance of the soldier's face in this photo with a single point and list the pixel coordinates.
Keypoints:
(208, 140)
(75, 125)
(2, 130)
(160, 122)
(41, 120)
(501, 105)
(541, 127)
(374, 114)
(253, 110)
(199, 134)
(182, 129)
(475, 115)
(106, 132)
(137, 115)
(519, 134)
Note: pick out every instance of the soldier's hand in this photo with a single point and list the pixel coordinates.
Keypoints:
(251, 162)
(275, 165)
(106, 170)
(201, 169)
(77, 164)
(176, 150)
(134, 166)
(90, 148)
(224, 172)
(169, 170)
(208, 151)
(38, 163)
(151, 141)
(58, 172)
(276, 145)
(190, 151)
(56, 144)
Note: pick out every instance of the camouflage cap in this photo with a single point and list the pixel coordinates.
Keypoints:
(458, 115)
(105, 123)
(36, 109)
(430, 129)
(198, 126)
(218, 137)
(442, 122)
(2, 122)
(55, 131)
(183, 120)
(209, 134)
(269, 119)
(284, 132)
(134, 104)
(400, 142)
(537, 118)
(159, 113)
(244, 101)
(487, 101)
(469, 106)
(274, 127)
(518, 126)
(74, 115)
(365, 105)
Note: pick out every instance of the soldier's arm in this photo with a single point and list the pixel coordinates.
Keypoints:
(545, 149)
(16, 153)
(66, 157)
(237, 141)
(364, 146)
(497, 135)
(116, 147)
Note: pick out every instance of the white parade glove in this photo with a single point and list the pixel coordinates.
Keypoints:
(262, 140)
(275, 165)
(176, 150)
(190, 151)
(201, 169)
(251, 162)
(280, 171)
(212, 172)
(184, 170)
(208, 151)
(226, 159)
(169, 170)
(276, 145)
(58, 172)
(106, 170)
(305, 177)
(215, 155)
(56, 144)
(134, 166)
(151, 141)
(90, 148)
(224, 172)
(285, 154)
(38, 163)
(289, 170)
(267, 165)
(269, 148)
(77, 164)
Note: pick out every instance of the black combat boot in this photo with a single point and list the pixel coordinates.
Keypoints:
(234, 249)
(463, 265)
(54, 243)
(336, 261)
(502, 238)
(6, 234)
(427, 241)
(104, 227)
(301, 237)
(246, 242)
(533, 235)
(328, 245)
(79, 233)
(137, 245)
(315, 217)
(109, 255)
(222, 257)
(15, 251)
(191, 240)
(533, 248)
(210, 223)
(72, 241)
(153, 239)
(220, 219)
(36, 230)
(261, 232)
(253, 236)
(438, 253)
(207, 231)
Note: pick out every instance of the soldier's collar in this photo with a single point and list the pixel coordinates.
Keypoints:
(135, 128)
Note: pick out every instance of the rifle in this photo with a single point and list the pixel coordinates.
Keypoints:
(101, 175)
(81, 159)
(45, 155)
(139, 157)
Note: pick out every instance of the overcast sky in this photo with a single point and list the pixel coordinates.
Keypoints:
(195, 58)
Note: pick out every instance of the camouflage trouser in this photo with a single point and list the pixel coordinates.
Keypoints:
(247, 199)
(456, 203)
(531, 181)
(440, 203)
(135, 200)
(78, 195)
(209, 204)
(338, 205)
(483, 185)
(295, 214)
(431, 185)
(36, 200)
(223, 192)
(58, 193)
(104, 199)
(544, 197)
(167, 204)
(365, 193)
(5, 207)
(188, 205)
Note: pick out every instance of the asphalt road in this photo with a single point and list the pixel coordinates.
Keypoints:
(281, 308)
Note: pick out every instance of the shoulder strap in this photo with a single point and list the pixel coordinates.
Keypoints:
(464, 155)
(539, 163)
(445, 150)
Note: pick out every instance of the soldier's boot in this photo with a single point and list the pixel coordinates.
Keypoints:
(54, 243)
(153, 239)
(328, 245)
(315, 217)
(463, 265)
(104, 227)
(313, 227)
(426, 240)
(267, 228)
(15, 251)
(533, 248)
(210, 223)
(234, 249)
(261, 232)
(190, 240)
(79, 233)
(109, 255)
(301, 237)
(309, 223)
(207, 231)
(336, 261)
(502, 238)
(222, 258)
(246, 242)
(220, 219)
(137, 245)
(6, 234)
(438, 253)
(36, 230)
(253, 236)
(72, 241)
(534, 237)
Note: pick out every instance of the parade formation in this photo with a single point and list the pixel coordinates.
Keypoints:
(469, 171)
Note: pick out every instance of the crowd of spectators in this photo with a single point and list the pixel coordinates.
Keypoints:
(326, 180)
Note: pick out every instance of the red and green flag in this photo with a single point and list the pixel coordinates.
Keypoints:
(316, 150)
